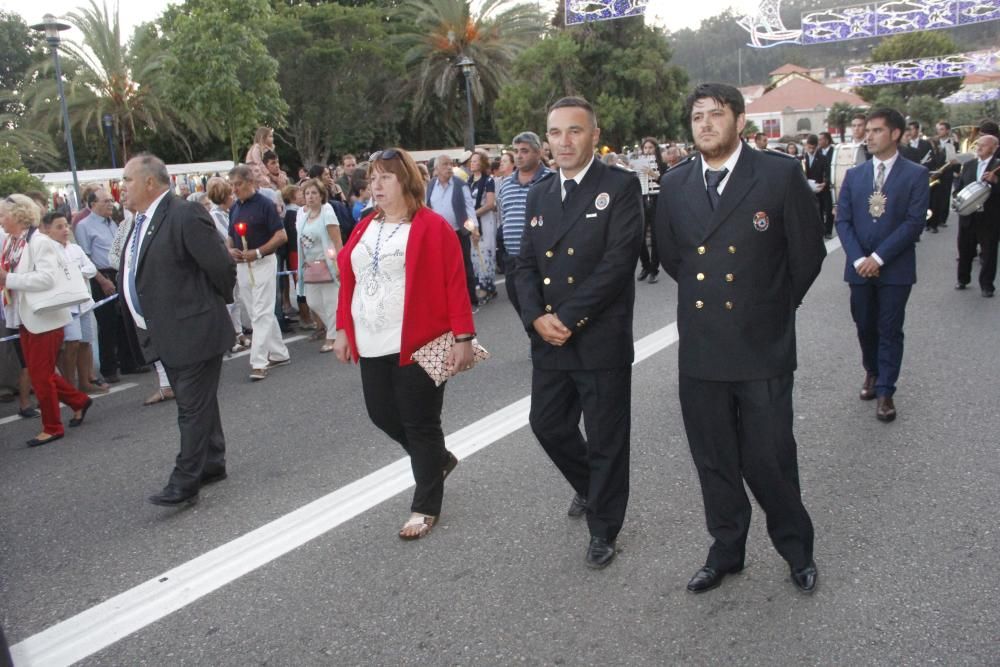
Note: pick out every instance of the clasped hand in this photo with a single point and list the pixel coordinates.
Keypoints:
(552, 330)
(868, 268)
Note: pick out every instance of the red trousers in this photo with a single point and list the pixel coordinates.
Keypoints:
(40, 353)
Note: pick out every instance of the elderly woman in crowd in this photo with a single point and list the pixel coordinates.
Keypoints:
(77, 360)
(28, 263)
(484, 259)
(403, 286)
(318, 244)
(220, 193)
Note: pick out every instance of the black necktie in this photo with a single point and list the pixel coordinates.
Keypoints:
(569, 186)
(712, 179)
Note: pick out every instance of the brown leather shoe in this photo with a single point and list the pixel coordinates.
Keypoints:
(886, 410)
(868, 388)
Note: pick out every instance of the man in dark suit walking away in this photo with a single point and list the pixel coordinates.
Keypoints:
(739, 230)
(574, 281)
(177, 278)
(980, 228)
(881, 210)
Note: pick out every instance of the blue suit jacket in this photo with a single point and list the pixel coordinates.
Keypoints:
(894, 234)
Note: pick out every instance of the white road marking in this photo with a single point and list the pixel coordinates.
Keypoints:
(115, 388)
(100, 626)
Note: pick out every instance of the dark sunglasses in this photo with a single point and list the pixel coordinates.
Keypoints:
(387, 154)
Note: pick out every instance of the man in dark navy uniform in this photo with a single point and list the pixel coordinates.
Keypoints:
(739, 231)
(574, 281)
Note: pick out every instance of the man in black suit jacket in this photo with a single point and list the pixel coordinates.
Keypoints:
(177, 278)
(981, 227)
(574, 282)
(739, 231)
(818, 170)
(914, 147)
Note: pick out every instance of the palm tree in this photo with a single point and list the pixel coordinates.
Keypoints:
(840, 116)
(434, 34)
(35, 147)
(104, 77)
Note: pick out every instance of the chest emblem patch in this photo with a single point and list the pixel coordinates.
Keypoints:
(602, 201)
(760, 221)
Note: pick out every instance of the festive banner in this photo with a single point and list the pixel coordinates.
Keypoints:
(872, 19)
(923, 69)
(582, 11)
(972, 96)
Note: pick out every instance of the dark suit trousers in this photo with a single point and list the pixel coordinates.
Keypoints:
(742, 431)
(825, 200)
(111, 337)
(203, 445)
(986, 235)
(509, 268)
(879, 311)
(465, 239)
(596, 467)
(404, 403)
(940, 202)
(648, 256)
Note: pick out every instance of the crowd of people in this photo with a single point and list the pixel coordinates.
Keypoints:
(359, 244)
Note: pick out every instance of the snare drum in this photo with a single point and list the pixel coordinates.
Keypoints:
(971, 198)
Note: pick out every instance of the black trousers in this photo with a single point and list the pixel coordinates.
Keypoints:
(649, 258)
(112, 340)
(203, 445)
(986, 234)
(465, 239)
(742, 431)
(940, 201)
(597, 467)
(403, 402)
(510, 264)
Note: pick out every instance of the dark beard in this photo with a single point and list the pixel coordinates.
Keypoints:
(722, 151)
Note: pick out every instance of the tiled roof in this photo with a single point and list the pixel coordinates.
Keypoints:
(789, 69)
(801, 94)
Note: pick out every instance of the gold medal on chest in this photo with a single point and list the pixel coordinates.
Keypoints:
(876, 204)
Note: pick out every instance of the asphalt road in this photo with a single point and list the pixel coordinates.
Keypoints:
(905, 514)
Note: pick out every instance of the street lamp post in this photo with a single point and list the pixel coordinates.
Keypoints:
(468, 67)
(108, 124)
(52, 28)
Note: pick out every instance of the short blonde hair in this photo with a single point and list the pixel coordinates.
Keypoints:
(218, 190)
(22, 209)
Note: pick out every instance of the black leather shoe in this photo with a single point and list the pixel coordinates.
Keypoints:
(960, 286)
(708, 578)
(578, 506)
(213, 477)
(653, 278)
(868, 388)
(112, 379)
(885, 411)
(988, 293)
(805, 578)
(642, 276)
(171, 496)
(934, 230)
(29, 413)
(600, 553)
(138, 370)
(450, 464)
(76, 421)
(35, 442)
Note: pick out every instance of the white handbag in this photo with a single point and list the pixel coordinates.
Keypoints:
(68, 288)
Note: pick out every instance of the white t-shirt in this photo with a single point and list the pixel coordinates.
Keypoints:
(377, 305)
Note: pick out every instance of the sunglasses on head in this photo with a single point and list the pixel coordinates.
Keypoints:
(386, 154)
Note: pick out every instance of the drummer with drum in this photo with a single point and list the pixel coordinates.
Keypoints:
(978, 206)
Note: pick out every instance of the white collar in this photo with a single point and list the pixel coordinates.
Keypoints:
(579, 175)
(729, 164)
(151, 209)
(888, 163)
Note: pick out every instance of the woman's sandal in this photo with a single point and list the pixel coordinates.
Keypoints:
(162, 394)
(421, 522)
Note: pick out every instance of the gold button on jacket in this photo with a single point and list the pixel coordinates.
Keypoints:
(700, 276)
(699, 304)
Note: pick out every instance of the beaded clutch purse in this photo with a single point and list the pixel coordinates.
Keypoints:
(433, 357)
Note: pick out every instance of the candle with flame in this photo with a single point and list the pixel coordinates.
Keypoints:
(241, 229)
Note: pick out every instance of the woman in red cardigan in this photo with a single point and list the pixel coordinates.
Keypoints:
(402, 284)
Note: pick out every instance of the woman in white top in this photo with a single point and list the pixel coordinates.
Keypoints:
(77, 361)
(29, 262)
(318, 244)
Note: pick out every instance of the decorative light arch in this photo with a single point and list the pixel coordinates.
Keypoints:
(583, 11)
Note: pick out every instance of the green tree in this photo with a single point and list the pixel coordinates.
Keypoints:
(336, 77)
(434, 34)
(927, 111)
(19, 48)
(103, 77)
(13, 175)
(914, 45)
(627, 65)
(218, 67)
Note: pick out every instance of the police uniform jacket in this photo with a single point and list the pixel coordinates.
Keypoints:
(742, 269)
(576, 262)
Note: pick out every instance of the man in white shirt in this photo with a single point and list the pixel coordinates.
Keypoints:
(451, 198)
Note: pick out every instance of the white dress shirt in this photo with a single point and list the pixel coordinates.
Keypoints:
(139, 320)
(578, 178)
(888, 167)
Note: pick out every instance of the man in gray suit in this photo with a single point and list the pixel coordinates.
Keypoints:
(176, 279)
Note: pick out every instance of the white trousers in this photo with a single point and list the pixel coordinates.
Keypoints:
(322, 300)
(259, 303)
